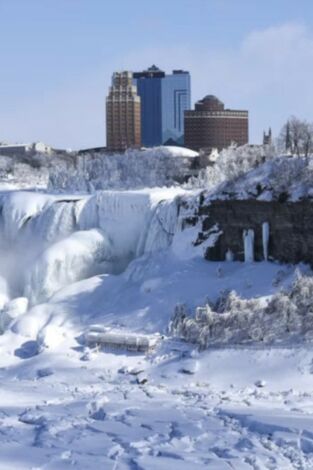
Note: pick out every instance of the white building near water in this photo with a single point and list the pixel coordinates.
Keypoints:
(11, 150)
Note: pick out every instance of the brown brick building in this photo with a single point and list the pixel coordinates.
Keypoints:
(123, 119)
(210, 125)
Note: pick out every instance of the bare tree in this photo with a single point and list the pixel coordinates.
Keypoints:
(296, 137)
(307, 139)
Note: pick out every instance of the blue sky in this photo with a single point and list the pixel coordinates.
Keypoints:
(57, 57)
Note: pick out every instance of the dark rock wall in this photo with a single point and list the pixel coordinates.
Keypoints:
(291, 228)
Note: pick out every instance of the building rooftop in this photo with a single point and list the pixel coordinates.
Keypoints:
(210, 103)
(179, 71)
(151, 72)
(156, 72)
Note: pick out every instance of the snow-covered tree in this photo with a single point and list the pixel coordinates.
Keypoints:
(237, 321)
(230, 164)
(296, 137)
(159, 166)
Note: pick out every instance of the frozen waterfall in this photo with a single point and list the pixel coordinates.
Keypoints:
(49, 241)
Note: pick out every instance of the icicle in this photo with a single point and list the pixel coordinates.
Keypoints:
(265, 239)
(248, 241)
(229, 255)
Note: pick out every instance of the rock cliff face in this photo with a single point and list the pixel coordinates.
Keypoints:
(290, 229)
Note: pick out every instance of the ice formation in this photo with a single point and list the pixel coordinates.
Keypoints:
(248, 241)
(265, 239)
(49, 241)
(229, 255)
(76, 257)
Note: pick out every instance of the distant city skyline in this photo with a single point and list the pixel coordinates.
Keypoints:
(58, 56)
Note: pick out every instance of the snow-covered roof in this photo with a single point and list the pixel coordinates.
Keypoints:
(171, 151)
(14, 145)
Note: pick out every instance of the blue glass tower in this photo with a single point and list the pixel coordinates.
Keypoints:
(175, 101)
(164, 99)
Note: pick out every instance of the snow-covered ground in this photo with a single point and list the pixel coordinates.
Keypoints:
(65, 405)
(236, 408)
(119, 259)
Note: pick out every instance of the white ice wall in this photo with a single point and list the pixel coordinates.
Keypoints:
(48, 242)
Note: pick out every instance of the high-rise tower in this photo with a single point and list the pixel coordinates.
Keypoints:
(123, 112)
(164, 99)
